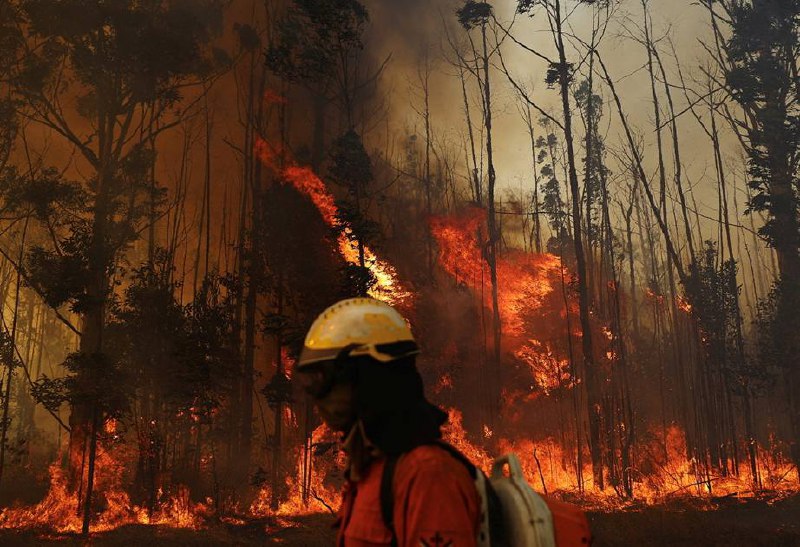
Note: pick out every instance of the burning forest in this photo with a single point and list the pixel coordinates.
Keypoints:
(587, 212)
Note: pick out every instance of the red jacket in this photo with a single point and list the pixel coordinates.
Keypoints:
(436, 504)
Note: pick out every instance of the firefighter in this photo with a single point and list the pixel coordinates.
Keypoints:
(404, 488)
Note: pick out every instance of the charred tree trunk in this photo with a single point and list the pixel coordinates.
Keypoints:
(254, 278)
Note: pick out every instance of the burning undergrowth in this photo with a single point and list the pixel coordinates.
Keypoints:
(542, 389)
(314, 483)
(61, 511)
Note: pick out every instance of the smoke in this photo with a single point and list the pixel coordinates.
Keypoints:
(408, 26)
(411, 30)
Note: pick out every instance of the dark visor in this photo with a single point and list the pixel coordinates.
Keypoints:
(318, 379)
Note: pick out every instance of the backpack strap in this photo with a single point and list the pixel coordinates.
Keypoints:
(387, 495)
(457, 455)
(496, 528)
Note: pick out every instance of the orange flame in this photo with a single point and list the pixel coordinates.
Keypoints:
(524, 280)
(549, 371)
(534, 287)
(387, 286)
(59, 509)
(318, 497)
(529, 285)
(550, 468)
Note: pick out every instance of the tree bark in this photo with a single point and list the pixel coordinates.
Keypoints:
(593, 402)
(491, 248)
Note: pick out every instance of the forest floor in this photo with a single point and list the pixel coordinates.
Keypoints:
(729, 522)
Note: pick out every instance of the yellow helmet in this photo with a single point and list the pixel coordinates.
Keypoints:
(359, 326)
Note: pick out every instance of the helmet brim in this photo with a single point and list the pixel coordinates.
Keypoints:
(383, 353)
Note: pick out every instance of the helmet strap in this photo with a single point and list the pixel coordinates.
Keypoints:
(360, 451)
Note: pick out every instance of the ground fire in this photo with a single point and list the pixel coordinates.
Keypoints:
(315, 272)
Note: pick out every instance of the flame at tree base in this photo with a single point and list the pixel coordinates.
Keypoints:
(660, 475)
(308, 492)
(59, 511)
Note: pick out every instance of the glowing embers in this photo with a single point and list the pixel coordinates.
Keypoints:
(549, 371)
(387, 287)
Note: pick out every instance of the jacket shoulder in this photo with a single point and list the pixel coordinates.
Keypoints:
(432, 461)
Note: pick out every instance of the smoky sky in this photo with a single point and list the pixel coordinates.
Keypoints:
(407, 26)
(410, 29)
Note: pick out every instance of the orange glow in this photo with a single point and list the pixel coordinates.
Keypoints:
(59, 511)
(524, 280)
(387, 286)
(320, 496)
(683, 304)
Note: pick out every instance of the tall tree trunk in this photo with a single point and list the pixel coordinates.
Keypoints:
(84, 415)
(425, 82)
(593, 402)
(491, 248)
(11, 359)
(627, 214)
(475, 179)
(536, 235)
(254, 272)
(277, 434)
